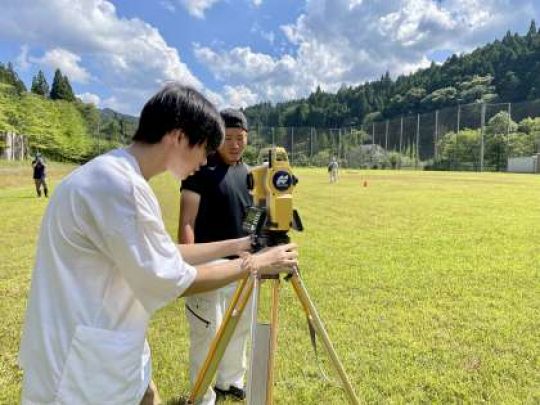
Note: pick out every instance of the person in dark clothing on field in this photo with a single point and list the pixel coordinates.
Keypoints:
(39, 175)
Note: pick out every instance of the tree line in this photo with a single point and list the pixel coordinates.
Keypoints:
(505, 70)
(60, 90)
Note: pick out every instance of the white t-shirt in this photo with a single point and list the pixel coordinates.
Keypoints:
(104, 265)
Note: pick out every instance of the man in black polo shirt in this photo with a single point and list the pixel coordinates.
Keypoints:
(212, 207)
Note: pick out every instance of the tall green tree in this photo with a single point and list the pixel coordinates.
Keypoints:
(40, 85)
(497, 142)
(61, 88)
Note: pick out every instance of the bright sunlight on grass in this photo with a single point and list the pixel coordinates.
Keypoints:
(428, 284)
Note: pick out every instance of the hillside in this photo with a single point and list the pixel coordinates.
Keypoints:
(61, 130)
(117, 126)
(56, 128)
(505, 70)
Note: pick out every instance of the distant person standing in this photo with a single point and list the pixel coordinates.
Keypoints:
(333, 169)
(39, 175)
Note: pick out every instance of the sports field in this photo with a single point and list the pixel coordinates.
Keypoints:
(428, 283)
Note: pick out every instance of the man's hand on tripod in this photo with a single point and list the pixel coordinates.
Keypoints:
(273, 260)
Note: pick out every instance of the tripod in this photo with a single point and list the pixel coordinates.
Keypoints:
(264, 340)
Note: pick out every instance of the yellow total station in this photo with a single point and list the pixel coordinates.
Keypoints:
(272, 185)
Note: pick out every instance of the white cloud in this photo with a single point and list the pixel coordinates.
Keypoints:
(197, 8)
(167, 5)
(238, 96)
(332, 42)
(270, 36)
(351, 41)
(22, 61)
(128, 57)
(66, 61)
(239, 61)
(90, 98)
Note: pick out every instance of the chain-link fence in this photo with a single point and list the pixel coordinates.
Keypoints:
(477, 136)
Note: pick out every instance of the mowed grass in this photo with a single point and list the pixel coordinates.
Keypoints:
(428, 284)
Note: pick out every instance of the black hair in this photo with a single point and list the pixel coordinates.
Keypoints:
(177, 106)
(234, 118)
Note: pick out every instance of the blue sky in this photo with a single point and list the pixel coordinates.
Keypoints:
(117, 53)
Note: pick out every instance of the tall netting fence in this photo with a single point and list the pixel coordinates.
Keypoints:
(476, 137)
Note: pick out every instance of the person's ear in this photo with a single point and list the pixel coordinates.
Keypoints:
(180, 135)
(174, 137)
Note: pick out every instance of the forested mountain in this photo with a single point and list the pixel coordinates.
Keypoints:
(504, 70)
(115, 125)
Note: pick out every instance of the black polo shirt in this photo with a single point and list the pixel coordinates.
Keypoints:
(39, 169)
(224, 199)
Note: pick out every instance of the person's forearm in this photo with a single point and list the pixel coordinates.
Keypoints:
(271, 261)
(216, 275)
(205, 252)
(186, 234)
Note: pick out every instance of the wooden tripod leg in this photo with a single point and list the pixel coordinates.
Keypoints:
(317, 323)
(273, 341)
(221, 340)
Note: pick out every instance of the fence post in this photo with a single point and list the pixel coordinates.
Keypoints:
(310, 145)
(386, 137)
(482, 123)
(417, 154)
(273, 137)
(436, 135)
(457, 135)
(508, 134)
(339, 143)
(292, 145)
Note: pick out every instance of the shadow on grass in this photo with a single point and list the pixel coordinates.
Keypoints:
(178, 401)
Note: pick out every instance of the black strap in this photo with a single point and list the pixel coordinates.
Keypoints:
(200, 318)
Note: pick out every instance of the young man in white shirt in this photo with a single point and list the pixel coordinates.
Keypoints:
(105, 262)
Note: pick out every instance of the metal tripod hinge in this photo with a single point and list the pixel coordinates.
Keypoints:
(264, 341)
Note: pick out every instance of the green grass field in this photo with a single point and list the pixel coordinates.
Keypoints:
(428, 283)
